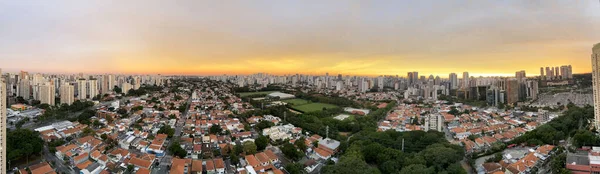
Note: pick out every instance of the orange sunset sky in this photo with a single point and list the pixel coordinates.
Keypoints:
(287, 37)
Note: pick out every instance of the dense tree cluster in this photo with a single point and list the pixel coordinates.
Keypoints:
(176, 150)
(143, 90)
(84, 117)
(166, 129)
(291, 152)
(428, 152)
(215, 129)
(249, 147)
(340, 101)
(22, 143)
(261, 142)
(561, 127)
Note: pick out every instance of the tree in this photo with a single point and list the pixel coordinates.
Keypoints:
(215, 129)
(264, 124)
(104, 136)
(122, 111)
(454, 111)
(97, 123)
(290, 151)
(88, 131)
(300, 143)
(235, 160)
(23, 143)
(261, 142)
(417, 168)
(172, 116)
(167, 130)
(130, 168)
(350, 165)
(238, 149)
(176, 149)
(294, 168)
(249, 147)
(117, 90)
(497, 157)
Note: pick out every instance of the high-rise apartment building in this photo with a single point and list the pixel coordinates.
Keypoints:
(125, 87)
(512, 91)
(453, 80)
(108, 83)
(465, 80)
(81, 89)
(66, 93)
(3, 105)
(25, 89)
(596, 82)
(520, 75)
(93, 88)
(47, 93)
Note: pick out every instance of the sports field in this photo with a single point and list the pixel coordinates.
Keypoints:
(245, 94)
(296, 101)
(311, 107)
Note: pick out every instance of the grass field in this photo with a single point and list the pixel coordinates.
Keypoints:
(245, 94)
(313, 107)
(296, 101)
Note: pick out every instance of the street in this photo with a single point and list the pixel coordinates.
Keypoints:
(166, 160)
(58, 163)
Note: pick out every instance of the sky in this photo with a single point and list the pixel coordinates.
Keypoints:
(379, 37)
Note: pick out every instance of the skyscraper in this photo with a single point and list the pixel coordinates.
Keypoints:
(465, 80)
(512, 91)
(542, 73)
(520, 75)
(596, 82)
(47, 93)
(108, 83)
(93, 88)
(66, 94)
(81, 89)
(24, 89)
(409, 77)
(453, 81)
(2, 125)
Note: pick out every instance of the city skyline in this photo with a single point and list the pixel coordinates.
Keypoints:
(357, 38)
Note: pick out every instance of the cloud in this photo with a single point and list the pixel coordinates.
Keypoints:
(350, 37)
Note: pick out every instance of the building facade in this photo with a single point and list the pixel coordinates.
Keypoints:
(596, 82)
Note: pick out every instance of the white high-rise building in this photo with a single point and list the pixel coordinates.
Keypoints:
(2, 124)
(596, 82)
(453, 81)
(47, 93)
(465, 80)
(66, 94)
(93, 88)
(81, 89)
(108, 83)
(25, 89)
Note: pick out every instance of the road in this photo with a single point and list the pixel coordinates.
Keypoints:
(58, 163)
(166, 160)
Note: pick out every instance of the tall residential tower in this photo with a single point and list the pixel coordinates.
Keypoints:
(596, 82)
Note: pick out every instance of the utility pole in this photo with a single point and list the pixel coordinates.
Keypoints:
(327, 132)
(402, 144)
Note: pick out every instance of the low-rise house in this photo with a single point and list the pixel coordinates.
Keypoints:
(210, 167)
(262, 158)
(219, 166)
